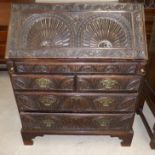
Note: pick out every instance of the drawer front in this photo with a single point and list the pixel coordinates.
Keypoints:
(42, 82)
(108, 83)
(84, 122)
(3, 36)
(113, 68)
(63, 102)
(2, 51)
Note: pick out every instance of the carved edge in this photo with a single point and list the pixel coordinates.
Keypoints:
(126, 136)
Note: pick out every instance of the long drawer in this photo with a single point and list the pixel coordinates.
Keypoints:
(108, 83)
(76, 102)
(79, 67)
(42, 82)
(83, 122)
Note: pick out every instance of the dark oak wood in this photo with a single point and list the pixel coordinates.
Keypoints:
(76, 102)
(108, 83)
(125, 136)
(79, 67)
(72, 121)
(68, 83)
(43, 82)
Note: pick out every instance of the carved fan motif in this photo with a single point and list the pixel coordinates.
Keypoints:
(48, 31)
(103, 33)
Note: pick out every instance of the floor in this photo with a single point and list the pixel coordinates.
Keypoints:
(11, 142)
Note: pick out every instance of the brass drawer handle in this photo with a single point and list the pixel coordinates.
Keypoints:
(43, 82)
(106, 102)
(48, 123)
(103, 122)
(109, 83)
(47, 100)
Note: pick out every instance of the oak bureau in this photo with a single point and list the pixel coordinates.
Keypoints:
(77, 68)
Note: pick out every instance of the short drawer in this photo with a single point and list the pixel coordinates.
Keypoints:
(73, 102)
(108, 83)
(78, 67)
(42, 82)
(83, 122)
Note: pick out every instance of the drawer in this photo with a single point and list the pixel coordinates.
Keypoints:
(3, 36)
(76, 102)
(108, 83)
(78, 67)
(42, 82)
(83, 122)
(2, 50)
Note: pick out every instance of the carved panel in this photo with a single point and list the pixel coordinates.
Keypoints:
(97, 122)
(76, 102)
(41, 67)
(103, 30)
(108, 83)
(43, 82)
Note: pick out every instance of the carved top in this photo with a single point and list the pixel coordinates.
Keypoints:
(77, 30)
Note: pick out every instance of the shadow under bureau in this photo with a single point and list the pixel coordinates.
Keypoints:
(77, 68)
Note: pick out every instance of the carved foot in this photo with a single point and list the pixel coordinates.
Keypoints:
(27, 137)
(126, 139)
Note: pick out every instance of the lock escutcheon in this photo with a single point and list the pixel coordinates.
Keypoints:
(103, 122)
(47, 100)
(106, 102)
(109, 83)
(44, 83)
(48, 123)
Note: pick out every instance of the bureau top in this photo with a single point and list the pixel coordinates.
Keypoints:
(77, 30)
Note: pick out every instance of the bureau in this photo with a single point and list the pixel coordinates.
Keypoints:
(77, 68)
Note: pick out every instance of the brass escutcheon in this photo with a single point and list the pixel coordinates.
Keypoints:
(109, 83)
(103, 122)
(48, 123)
(43, 82)
(106, 102)
(47, 100)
